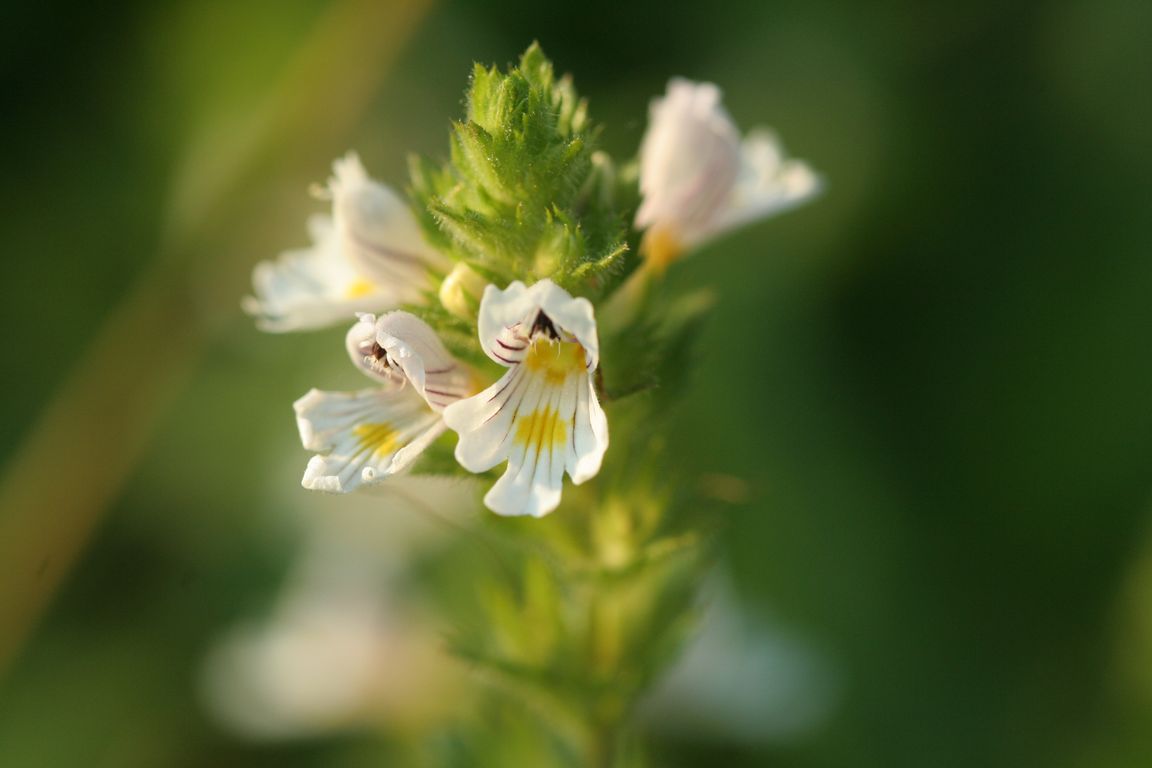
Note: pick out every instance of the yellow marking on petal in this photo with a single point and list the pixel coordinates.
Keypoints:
(543, 428)
(661, 247)
(476, 382)
(557, 360)
(359, 288)
(379, 438)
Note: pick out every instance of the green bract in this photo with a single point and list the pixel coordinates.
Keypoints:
(525, 195)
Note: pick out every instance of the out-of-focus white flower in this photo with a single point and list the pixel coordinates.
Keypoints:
(368, 256)
(344, 646)
(542, 415)
(316, 665)
(363, 437)
(698, 180)
(744, 678)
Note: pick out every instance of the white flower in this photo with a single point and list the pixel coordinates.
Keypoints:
(340, 647)
(363, 437)
(542, 415)
(698, 180)
(368, 256)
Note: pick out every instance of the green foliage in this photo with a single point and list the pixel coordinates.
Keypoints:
(568, 620)
(524, 195)
(648, 341)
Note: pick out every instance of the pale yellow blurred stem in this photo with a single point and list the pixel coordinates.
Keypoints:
(604, 724)
(77, 457)
(628, 301)
(612, 533)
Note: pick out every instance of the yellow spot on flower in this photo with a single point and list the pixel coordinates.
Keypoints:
(359, 288)
(556, 360)
(379, 439)
(661, 247)
(541, 429)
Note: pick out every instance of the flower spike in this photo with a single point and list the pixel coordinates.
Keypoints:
(368, 255)
(699, 181)
(542, 416)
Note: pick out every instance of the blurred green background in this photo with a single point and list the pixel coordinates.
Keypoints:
(933, 385)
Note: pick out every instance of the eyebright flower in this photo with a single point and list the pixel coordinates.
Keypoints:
(368, 256)
(699, 181)
(363, 437)
(542, 416)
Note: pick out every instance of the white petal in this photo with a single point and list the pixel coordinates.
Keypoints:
(501, 311)
(510, 346)
(544, 420)
(573, 315)
(378, 232)
(414, 347)
(532, 483)
(361, 436)
(367, 354)
(484, 421)
(769, 183)
(590, 436)
(556, 428)
(689, 161)
(407, 455)
(522, 490)
(312, 287)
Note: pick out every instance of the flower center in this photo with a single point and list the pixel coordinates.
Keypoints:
(544, 325)
(554, 359)
(376, 358)
(358, 289)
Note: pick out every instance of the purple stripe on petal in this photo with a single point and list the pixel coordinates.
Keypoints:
(441, 393)
(501, 357)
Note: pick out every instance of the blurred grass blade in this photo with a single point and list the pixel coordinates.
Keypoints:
(76, 458)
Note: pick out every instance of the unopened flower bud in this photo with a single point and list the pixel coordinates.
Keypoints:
(461, 291)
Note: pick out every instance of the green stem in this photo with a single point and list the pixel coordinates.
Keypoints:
(608, 535)
(604, 746)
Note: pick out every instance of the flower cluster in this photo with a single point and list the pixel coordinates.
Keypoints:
(508, 244)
